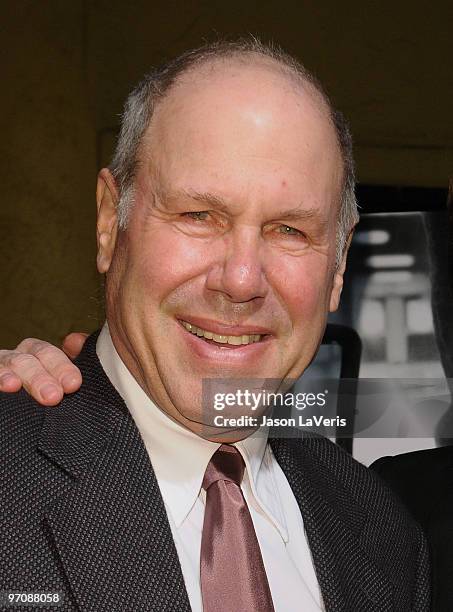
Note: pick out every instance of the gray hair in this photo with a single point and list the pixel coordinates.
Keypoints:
(142, 101)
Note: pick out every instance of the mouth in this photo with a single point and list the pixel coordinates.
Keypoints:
(225, 337)
(232, 340)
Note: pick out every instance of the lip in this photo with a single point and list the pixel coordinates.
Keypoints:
(225, 330)
(224, 355)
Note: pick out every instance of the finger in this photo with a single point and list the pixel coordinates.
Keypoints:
(73, 344)
(9, 382)
(55, 362)
(35, 379)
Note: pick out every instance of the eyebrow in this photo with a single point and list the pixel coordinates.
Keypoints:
(203, 197)
(298, 213)
(292, 214)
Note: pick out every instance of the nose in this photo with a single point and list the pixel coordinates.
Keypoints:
(238, 271)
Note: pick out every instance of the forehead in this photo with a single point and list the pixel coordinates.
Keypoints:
(247, 129)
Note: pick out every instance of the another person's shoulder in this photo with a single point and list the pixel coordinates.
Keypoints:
(422, 460)
(420, 478)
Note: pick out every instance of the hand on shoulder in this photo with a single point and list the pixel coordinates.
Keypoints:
(43, 370)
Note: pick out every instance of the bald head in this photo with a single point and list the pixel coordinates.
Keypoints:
(252, 54)
(250, 122)
(259, 88)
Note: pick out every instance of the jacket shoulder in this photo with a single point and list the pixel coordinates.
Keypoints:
(26, 475)
(343, 478)
(21, 420)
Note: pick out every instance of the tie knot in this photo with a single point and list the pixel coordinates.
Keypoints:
(226, 464)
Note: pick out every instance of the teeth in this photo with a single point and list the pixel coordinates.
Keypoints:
(234, 340)
(221, 339)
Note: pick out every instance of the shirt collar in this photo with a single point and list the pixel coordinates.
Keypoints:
(178, 456)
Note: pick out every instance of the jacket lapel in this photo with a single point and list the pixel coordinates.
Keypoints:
(110, 529)
(348, 578)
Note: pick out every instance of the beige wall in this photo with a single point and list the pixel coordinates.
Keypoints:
(68, 64)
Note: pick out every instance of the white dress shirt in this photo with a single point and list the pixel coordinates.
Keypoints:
(179, 459)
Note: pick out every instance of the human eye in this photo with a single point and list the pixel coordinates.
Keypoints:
(197, 215)
(287, 237)
(201, 223)
(290, 231)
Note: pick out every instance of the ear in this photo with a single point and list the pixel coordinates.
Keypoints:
(338, 277)
(107, 220)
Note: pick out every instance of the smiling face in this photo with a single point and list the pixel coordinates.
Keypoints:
(231, 236)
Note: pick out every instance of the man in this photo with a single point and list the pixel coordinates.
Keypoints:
(223, 228)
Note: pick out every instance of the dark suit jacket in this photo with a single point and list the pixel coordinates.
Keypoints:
(82, 513)
(424, 482)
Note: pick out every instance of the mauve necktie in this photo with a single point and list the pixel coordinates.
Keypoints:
(233, 578)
